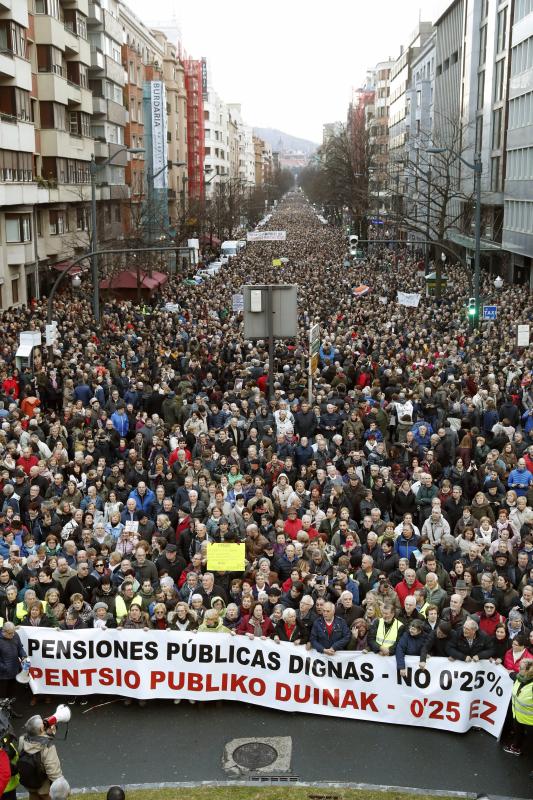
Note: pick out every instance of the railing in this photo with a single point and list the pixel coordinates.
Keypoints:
(12, 120)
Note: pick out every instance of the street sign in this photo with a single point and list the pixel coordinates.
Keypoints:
(490, 312)
(237, 302)
(314, 347)
(523, 336)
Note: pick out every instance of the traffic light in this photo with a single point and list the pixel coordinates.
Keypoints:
(353, 241)
(472, 308)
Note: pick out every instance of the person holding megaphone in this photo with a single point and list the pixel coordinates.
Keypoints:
(38, 762)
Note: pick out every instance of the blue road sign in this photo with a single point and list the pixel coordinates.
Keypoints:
(490, 312)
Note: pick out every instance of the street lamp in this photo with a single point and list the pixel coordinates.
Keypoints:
(477, 167)
(498, 283)
(94, 168)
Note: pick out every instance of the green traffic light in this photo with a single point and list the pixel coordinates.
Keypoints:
(471, 312)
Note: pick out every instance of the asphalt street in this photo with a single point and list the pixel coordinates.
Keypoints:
(164, 743)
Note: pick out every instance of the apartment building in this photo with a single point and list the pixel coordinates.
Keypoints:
(419, 126)
(19, 191)
(174, 79)
(216, 131)
(399, 100)
(246, 159)
(263, 161)
(518, 197)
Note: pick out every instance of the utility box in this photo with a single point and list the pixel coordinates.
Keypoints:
(270, 311)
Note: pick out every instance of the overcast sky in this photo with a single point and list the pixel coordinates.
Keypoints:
(291, 63)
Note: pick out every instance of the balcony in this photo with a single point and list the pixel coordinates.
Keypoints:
(112, 27)
(101, 149)
(16, 135)
(49, 31)
(72, 42)
(73, 94)
(95, 14)
(97, 60)
(114, 71)
(99, 106)
(5, 5)
(7, 64)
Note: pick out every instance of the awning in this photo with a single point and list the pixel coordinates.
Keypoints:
(24, 351)
(469, 242)
(127, 279)
(62, 266)
(210, 239)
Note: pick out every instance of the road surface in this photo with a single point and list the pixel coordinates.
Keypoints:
(164, 743)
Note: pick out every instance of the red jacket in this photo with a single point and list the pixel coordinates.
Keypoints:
(292, 526)
(403, 590)
(509, 660)
(247, 627)
(27, 463)
(5, 771)
(489, 624)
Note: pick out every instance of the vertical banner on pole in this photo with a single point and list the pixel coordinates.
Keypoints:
(314, 349)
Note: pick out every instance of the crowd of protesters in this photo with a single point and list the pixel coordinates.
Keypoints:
(393, 513)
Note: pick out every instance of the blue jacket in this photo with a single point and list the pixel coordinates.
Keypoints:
(409, 646)
(405, 547)
(353, 587)
(144, 503)
(527, 420)
(83, 392)
(11, 654)
(519, 480)
(321, 639)
(120, 423)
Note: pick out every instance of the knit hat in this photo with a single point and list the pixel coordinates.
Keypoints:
(100, 605)
(461, 585)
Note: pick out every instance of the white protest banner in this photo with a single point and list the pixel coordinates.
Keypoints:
(202, 666)
(409, 299)
(266, 236)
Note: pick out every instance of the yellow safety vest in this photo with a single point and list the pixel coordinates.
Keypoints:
(120, 606)
(21, 611)
(523, 703)
(15, 778)
(386, 638)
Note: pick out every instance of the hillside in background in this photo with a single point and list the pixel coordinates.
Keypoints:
(272, 136)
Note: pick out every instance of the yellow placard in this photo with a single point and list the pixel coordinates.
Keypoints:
(225, 557)
(276, 262)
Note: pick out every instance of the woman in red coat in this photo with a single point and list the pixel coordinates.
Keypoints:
(516, 653)
(256, 623)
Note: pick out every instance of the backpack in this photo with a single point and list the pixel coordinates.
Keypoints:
(31, 771)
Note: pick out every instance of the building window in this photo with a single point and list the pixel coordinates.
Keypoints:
(18, 228)
(15, 290)
(82, 218)
(522, 9)
(497, 129)
(49, 59)
(79, 123)
(480, 90)
(13, 38)
(499, 75)
(52, 116)
(479, 134)
(482, 45)
(522, 56)
(48, 7)
(58, 223)
(15, 104)
(501, 30)
(495, 182)
(15, 167)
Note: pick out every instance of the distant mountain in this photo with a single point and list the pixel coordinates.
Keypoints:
(273, 137)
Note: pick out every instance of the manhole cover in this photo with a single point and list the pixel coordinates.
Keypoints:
(255, 755)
